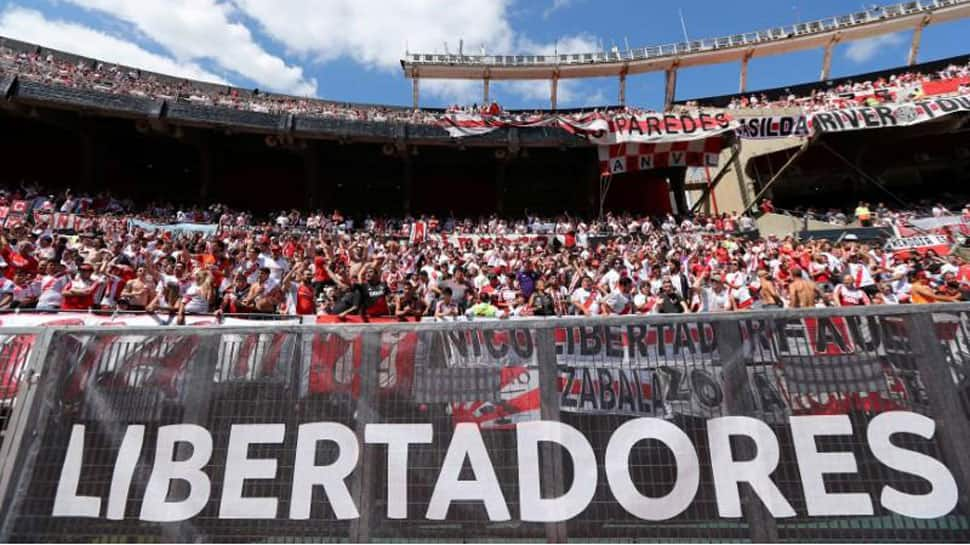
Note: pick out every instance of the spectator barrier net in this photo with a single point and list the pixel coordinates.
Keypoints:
(826, 424)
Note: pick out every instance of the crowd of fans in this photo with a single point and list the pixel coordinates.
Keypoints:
(331, 265)
(110, 78)
(903, 87)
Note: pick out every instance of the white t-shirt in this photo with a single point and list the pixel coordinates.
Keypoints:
(616, 301)
(586, 299)
(277, 266)
(610, 279)
(50, 291)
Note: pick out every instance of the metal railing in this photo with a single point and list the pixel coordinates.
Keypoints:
(746, 39)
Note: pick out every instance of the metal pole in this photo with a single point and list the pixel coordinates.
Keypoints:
(738, 401)
(717, 179)
(551, 455)
(710, 189)
(739, 172)
(953, 428)
(364, 476)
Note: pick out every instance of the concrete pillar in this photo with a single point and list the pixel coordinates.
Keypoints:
(680, 194)
(485, 91)
(743, 84)
(414, 91)
(623, 88)
(827, 58)
(914, 46)
(670, 87)
(554, 92)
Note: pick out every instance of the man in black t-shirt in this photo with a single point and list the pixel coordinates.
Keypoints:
(373, 295)
(670, 301)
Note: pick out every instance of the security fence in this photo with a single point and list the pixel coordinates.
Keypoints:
(821, 425)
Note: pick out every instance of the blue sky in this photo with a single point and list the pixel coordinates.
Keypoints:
(349, 49)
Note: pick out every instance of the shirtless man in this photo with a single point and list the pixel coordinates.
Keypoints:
(801, 293)
(264, 295)
(138, 290)
(770, 298)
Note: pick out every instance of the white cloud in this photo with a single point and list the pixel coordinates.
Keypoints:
(375, 35)
(204, 29)
(556, 6)
(861, 51)
(31, 26)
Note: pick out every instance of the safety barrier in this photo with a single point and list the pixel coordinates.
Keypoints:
(823, 424)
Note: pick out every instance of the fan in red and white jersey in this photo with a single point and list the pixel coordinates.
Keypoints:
(847, 294)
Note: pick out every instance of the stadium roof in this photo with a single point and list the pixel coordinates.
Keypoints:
(822, 33)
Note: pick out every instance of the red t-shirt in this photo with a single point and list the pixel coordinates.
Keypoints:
(305, 304)
(319, 271)
(80, 302)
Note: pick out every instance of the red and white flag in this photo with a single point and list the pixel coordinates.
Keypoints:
(419, 230)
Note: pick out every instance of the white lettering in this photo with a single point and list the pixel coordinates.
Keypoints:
(306, 474)
(625, 491)
(128, 455)
(813, 465)
(66, 501)
(943, 496)
(156, 507)
(239, 467)
(535, 508)
(756, 472)
(467, 442)
(397, 437)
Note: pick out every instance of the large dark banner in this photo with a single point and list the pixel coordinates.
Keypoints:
(783, 426)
